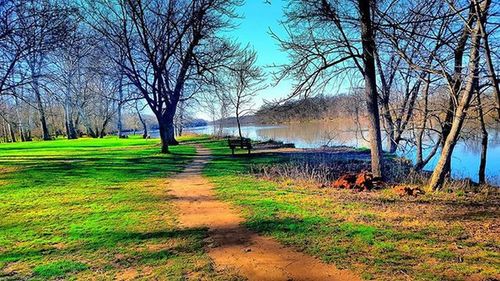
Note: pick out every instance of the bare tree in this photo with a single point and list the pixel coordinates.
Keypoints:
(450, 140)
(45, 25)
(165, 43)
(329, 38)
(246, 81)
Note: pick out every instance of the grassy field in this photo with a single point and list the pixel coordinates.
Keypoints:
(98, 209)
(94, 209)
(376, 234)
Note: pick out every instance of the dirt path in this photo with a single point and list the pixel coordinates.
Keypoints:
(231, 245)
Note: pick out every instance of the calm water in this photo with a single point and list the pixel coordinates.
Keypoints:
(465, 162)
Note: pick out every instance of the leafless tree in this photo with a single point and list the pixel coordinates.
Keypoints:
(480, 9)
(44, 24)
(165, 43)
(246, 80)
(329, 38)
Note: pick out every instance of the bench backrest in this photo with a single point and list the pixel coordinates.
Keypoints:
(239, 142)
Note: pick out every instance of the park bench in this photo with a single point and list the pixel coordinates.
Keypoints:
(239, 142)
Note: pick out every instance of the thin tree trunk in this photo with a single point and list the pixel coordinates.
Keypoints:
(371, 87)
(12, 132)
(119, 113)
(5, 134)
(19, 121)
(238, 122)
(440, 172)
(386, 112)
(419, 165)
(491, 69)
(144, 125)
(484, 140)
(41, 110)
(66, 121)
(35, 67)
(457, 82)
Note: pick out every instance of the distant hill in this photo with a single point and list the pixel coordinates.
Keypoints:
(197, 122)
(302, 110)
(231, 121)
(309, 109)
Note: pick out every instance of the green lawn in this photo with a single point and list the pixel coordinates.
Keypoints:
(376, 234)
(98, 209)
(94, 209)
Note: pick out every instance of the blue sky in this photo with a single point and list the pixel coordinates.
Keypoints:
(258, 18)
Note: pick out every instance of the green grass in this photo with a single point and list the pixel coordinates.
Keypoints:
(94, 208)
(99, 209)
(368, 235)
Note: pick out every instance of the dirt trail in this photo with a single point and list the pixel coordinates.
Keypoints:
(232, 246)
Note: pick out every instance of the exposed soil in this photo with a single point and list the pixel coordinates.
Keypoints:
(232, 246)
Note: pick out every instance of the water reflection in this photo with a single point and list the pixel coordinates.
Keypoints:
(465, 159)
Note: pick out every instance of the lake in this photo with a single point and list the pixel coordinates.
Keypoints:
(465, 160)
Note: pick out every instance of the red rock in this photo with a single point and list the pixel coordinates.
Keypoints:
(360, 182)
(364, 181)
(346, 181)
(403, 190)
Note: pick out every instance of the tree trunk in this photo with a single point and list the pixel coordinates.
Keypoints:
(119, 124)
(19, 121)
(368, 43)
(484, 140)
(386, 113)
(457, 82)
(72, 131)
(440, 172)
(36, 64)
(163, 135)
(238, 122)
(12, 132)
(91, 132)
(41, 111)
(391, 142)
(66, 125)
(421, 162)
(144, 125)
(239, 127)
(5, 135)
(70, 127)
(171, 133)
(169, 123)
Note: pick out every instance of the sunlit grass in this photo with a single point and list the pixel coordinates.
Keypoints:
(377, 235)
(92, 208)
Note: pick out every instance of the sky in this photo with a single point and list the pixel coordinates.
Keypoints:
(258, 17)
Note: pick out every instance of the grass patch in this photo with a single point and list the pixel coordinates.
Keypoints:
(380, 236)
(94, 208)
(58, 268)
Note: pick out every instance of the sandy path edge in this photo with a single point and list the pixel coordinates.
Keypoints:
(232, 246)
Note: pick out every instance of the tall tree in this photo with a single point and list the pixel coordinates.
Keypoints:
(165, 43)
(327, 39)
(45, 25)
(440, 171)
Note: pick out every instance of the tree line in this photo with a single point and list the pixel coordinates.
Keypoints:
(84, 61)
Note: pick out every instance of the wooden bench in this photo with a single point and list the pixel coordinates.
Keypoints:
(242, 143)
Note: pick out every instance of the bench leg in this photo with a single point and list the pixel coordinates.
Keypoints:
(232, 151)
